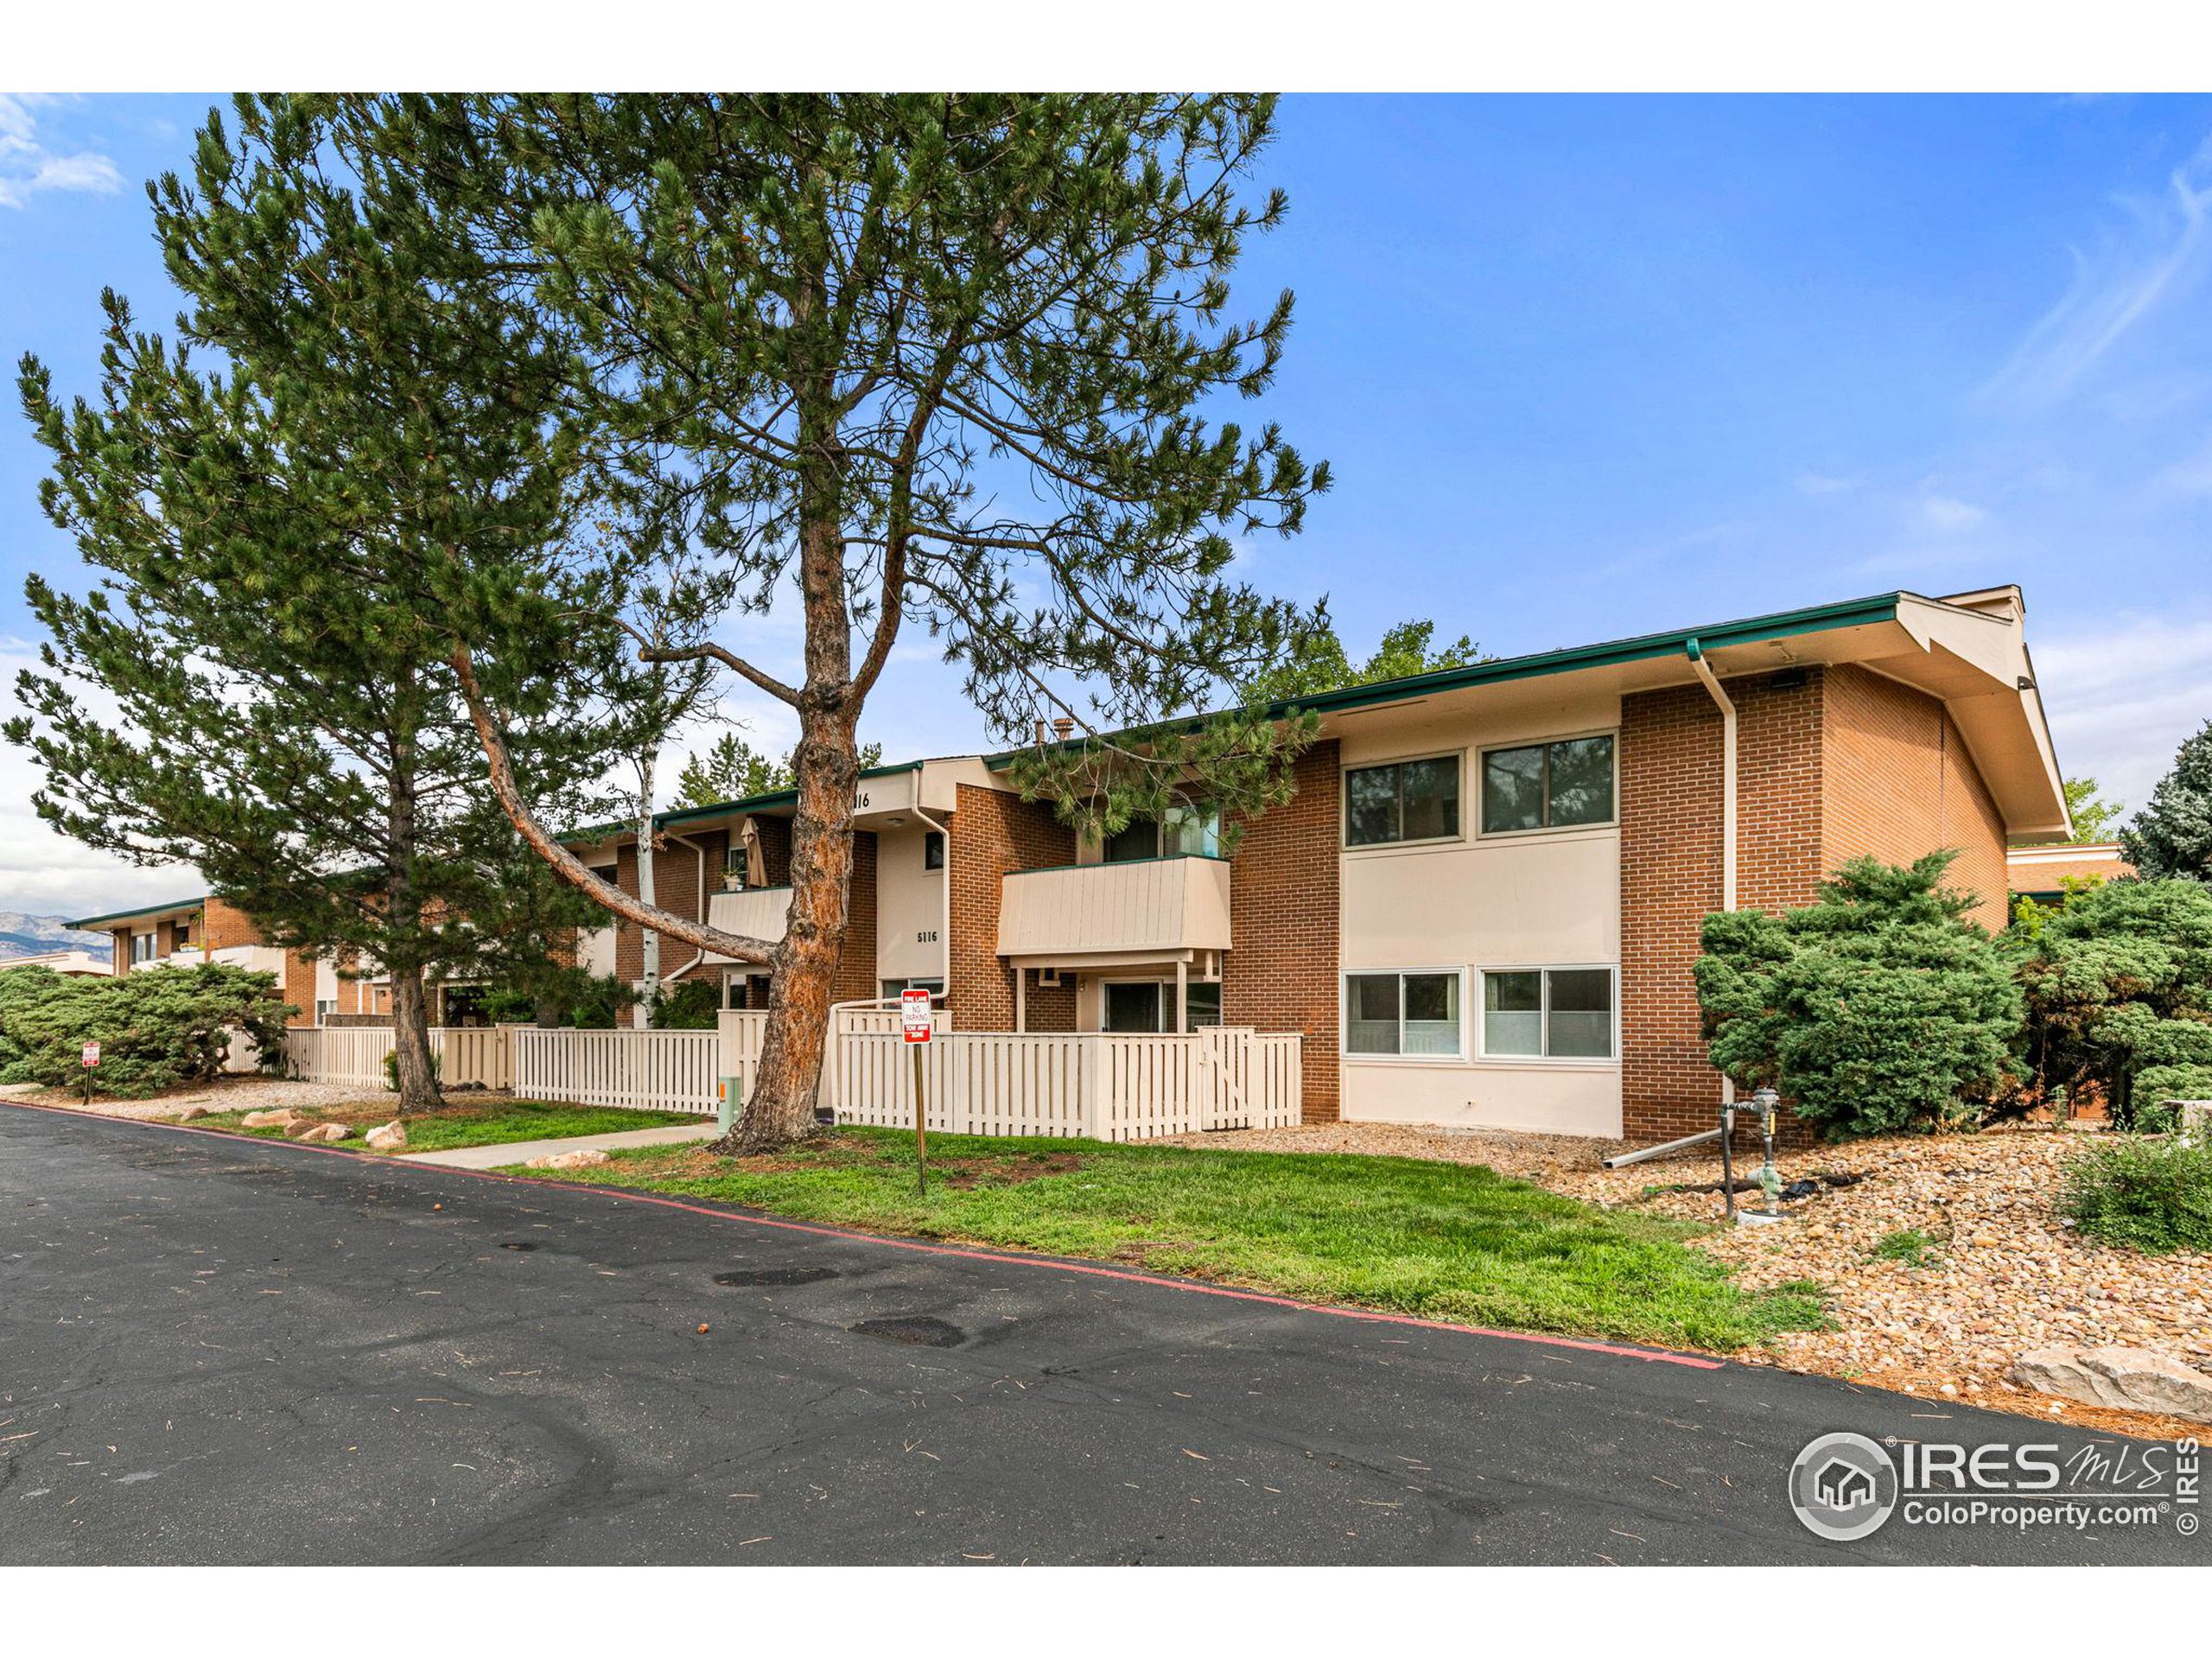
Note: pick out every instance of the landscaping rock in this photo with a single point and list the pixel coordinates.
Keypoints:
(283, 1118)
(386, 1136)
(2133, 1379)
(185, 1113)
(583, 1159)
(322, 1132)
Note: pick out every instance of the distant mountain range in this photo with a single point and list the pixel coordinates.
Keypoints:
(24, 935)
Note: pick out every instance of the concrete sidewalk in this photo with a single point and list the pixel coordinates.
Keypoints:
(521, 1152)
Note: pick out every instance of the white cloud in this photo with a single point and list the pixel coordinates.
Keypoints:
(29, 166)
(1810, 483)
(1948, 512)
(2121, 700)
(2132, 270)
(47, 874)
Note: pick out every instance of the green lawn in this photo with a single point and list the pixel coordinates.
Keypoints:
(1444, 1241)
(489, 1121)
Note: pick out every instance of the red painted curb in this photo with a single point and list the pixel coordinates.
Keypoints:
(1060, 1264)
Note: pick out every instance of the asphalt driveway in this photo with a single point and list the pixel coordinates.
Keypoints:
(212, 1350)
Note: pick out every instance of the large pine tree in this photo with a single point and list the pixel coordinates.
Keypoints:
(957, 363)
(292, 508)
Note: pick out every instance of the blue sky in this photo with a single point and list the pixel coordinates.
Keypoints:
(1585, 367)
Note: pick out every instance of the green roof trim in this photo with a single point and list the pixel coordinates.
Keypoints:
(132, 915)
(1845, 614)
(1681, 642)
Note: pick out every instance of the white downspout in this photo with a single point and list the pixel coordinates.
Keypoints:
(945, 881)
(699, 854)
(1727, 797)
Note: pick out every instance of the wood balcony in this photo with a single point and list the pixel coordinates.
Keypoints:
(1098, 915)
(758, 913)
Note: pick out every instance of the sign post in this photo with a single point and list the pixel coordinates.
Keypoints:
(90, 1059)
(914, 1025)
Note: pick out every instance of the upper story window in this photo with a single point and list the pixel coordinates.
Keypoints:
(184, 936)
(1192, 830)
(142, 948)
(1548, 785)
(934, 850)
(1406, 800)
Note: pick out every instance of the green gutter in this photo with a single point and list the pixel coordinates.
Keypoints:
(722, 808)
(91, 922)
(1845, 613)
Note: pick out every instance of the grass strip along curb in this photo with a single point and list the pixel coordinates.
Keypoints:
(1455, 1243)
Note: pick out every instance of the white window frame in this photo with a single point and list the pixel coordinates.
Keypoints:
(1345, 843)
(1482, 760)
(1344, 976)
(153, 944)
(1544, 1014)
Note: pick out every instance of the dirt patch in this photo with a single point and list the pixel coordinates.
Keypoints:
(1014, 1170)
(2001, 1272)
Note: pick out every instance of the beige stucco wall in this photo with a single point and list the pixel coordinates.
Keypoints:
(1544, 898)
(909, 908)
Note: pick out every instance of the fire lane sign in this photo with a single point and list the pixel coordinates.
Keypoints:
(914, 1016)
(91, 1056)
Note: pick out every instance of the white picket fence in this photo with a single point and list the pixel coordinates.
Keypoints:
(477, 1054)
(1107, 1086)
(654, 1070)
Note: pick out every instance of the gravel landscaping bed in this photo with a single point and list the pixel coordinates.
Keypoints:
(244, 1093)
(2000, 1273)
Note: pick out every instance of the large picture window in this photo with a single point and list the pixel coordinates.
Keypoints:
(1555, 1013)
(1406, 800)
(1548, 785)
(1142, 1006)
(1407, 1014)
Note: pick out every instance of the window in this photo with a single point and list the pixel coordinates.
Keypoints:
(1556, 1013)
(1548, 785)
(1409, 800)
(1190, 831)
(1141, 1005)
(142, 948)
(1402, 1013)
(934, 850)
(184, 936)
(892, 987)
(324, 1008)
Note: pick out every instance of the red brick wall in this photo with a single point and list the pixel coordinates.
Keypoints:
(299, 988)
(1670, 803)
(1901, 783)
(1844, 764)
(994, 833)
(224, 924)
(1280, 974)
(122, 937)
(856, 976)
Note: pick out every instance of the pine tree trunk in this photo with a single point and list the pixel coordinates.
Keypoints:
(804, 970)
(410, 1025)
(410, 1044)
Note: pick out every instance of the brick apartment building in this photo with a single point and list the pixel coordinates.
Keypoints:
(189, 932)
(1481, 906)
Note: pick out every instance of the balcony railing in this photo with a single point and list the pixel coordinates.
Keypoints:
(758, 913)
(1145, 906)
